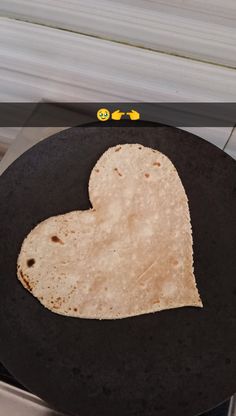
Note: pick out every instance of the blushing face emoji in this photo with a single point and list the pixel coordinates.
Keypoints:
(103, 114)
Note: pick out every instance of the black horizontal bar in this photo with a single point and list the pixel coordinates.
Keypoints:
(57, 114)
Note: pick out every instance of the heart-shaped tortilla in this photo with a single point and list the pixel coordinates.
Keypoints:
(130, 254)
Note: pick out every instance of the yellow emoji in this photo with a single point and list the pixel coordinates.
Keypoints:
(116, 115)
(103, 114)
(133, 115)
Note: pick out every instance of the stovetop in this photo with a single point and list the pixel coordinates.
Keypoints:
(8, 379)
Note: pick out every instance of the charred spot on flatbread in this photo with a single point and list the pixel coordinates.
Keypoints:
(30, 262)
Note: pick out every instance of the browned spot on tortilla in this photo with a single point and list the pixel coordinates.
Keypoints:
(140, 148)
(30, 262)
(147, 175)
(56, 239)
(117, 150)
(25, 281)
(97, 170)
(57, 303)
(131, 218)
(154, 151)
(75, 309)
(156, 164)
(116, 170)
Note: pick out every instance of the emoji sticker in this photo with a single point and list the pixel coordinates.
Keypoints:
(117, 114)
(133, 115)
(103, 114)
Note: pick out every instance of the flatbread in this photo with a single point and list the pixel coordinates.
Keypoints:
(131, 254)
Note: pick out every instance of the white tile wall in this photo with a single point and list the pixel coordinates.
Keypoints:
(42, 58)
(197, 29)
(58, 65)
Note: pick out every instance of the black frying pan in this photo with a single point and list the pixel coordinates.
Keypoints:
(176, 362)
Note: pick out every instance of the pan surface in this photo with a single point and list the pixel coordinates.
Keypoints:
(176, 362)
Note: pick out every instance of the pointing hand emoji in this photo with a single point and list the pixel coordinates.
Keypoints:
(134, 115)
(116, 115)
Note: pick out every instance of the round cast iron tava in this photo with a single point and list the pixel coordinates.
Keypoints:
(175, 362)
